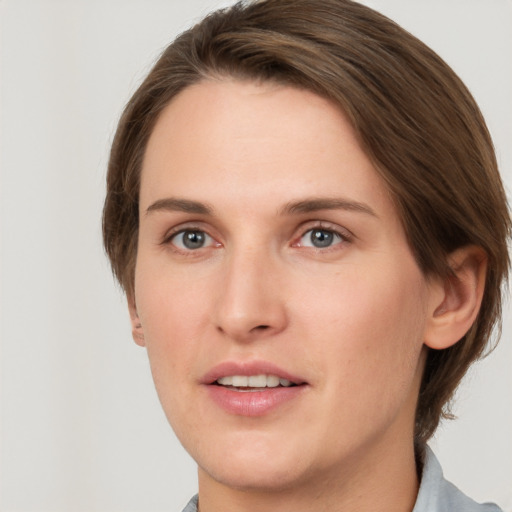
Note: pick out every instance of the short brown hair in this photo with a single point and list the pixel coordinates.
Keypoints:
(413, 116)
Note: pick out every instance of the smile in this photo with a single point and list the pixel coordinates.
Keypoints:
(253, 382)
(252, 388)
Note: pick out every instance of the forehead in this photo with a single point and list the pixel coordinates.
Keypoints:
(258, 141)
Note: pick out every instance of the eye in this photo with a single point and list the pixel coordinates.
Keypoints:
(191, 239)
(320, 238)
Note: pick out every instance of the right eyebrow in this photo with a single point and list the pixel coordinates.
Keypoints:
(174, 204)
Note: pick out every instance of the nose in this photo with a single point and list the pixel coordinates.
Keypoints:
(250, 303)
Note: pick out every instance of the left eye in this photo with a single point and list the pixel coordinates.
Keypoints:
(320, 238)
(191, 239)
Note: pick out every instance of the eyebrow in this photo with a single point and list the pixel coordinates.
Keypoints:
(296, 207)
(180, 205)
(320, 203)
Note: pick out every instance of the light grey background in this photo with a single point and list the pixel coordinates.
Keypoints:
(81, 427)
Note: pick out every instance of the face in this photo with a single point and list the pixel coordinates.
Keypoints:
(281, 307)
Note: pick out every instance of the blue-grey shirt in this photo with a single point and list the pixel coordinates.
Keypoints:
(435, 495)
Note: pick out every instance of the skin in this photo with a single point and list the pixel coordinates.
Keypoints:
(352, 319)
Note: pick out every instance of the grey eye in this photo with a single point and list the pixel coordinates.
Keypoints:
(320, 238)
(191, 239)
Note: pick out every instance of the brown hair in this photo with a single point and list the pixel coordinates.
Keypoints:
(414, 117)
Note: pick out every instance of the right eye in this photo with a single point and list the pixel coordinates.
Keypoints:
(191, 239)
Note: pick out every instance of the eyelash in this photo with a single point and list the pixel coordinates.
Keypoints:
(170, 237)
(343, 237)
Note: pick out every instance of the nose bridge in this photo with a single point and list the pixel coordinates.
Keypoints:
(250, 302)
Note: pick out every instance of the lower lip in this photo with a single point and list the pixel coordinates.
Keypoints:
(253, 403)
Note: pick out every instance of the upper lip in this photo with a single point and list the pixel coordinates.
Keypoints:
(227, 368)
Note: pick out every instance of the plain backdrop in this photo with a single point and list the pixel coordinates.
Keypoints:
(81, 426)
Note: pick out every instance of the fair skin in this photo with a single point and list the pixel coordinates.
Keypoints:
(269, 245)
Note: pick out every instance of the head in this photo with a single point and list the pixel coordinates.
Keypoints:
(411, 115)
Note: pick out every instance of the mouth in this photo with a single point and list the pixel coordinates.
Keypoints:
(251, 383)
(246, 375)
(252, 388)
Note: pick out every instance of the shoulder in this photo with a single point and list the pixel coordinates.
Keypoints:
(438, 495)
(191, 505)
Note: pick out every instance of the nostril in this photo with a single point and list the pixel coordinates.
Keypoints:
(261, 327)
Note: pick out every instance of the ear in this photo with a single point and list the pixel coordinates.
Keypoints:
(457, 298)
(137, 331)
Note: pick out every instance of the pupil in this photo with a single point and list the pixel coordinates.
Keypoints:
(193, 239)
(320, 238)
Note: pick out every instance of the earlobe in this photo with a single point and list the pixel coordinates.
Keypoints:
(456, 306)
(137, 330)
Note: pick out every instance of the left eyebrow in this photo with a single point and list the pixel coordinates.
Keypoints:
(320, 203)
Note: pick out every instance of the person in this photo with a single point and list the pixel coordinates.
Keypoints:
(304, 209)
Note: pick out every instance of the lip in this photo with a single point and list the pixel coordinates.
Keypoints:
(251, 403)
(249, 368)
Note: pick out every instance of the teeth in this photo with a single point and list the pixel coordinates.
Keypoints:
(253, 381)
(272, 381)
(257, 381)
(240, 381)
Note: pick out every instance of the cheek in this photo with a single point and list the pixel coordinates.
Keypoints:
(172, 314)
(365, 336)
(170, 301)
(370, 324)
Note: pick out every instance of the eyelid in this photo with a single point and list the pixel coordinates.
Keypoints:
(184, 226)
(345, 234)
(174, 240)
(170, 234)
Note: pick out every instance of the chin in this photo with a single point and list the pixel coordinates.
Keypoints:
(254, 464)
(244, 476)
